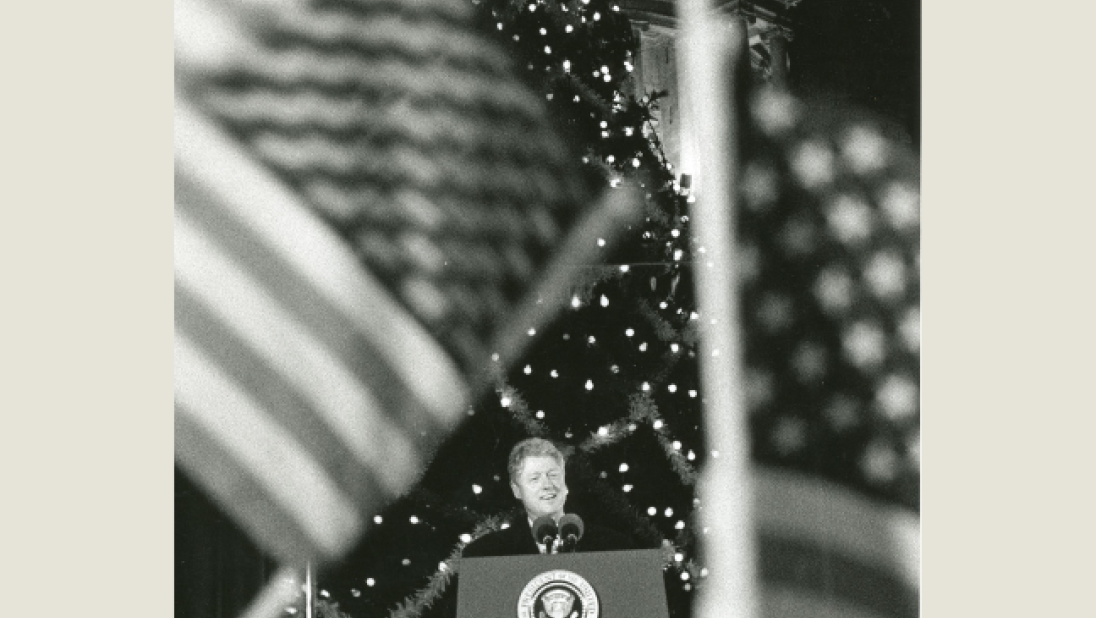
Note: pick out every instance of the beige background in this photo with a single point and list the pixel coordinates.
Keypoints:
(85, 253)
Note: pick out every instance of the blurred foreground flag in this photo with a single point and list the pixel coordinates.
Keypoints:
(367, 205)
(828, 266)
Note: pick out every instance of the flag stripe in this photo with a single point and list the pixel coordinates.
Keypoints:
(811, 568)
(777, 602)
(286, 406)
(796, 506)
(306, 304)
(285, 471)
(335, 392)
(319, 256)
(228, 481)
(822, 541)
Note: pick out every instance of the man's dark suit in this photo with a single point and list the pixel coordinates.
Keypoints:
(517, 540)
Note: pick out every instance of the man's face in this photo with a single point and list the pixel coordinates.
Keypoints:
(541, 487)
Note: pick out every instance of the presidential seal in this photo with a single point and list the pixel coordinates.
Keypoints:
(558, 594)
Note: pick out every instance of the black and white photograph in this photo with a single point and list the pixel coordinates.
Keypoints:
(547, 308)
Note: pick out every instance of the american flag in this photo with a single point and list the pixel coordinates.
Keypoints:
(828, 261)
(365, 198)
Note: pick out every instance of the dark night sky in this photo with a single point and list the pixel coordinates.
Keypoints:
(864, 51)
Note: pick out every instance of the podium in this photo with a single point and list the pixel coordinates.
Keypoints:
(611, 584)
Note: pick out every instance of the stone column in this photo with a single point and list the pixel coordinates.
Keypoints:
(777, 41)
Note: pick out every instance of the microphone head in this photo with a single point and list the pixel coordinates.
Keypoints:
(571, 524)
(544, 528)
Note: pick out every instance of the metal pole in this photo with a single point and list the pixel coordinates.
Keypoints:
(308, 586)
(710, 46)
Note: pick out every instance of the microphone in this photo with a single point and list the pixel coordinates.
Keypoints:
(570, 530)
(545, 530)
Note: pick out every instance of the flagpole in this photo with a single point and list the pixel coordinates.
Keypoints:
(709, 48)
(308, 583)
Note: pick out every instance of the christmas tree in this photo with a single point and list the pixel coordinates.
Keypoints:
(828, 269)
(613, 381)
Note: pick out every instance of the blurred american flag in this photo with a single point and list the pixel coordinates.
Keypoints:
(365, 198)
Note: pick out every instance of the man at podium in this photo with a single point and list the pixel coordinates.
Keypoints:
(583, 571)
(538, 480)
